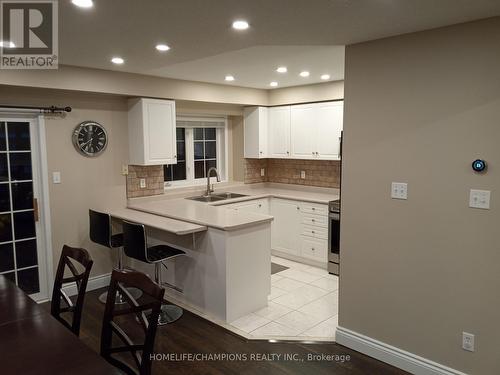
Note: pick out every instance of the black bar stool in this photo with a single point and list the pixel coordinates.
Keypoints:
(101, 233)
(136, 246)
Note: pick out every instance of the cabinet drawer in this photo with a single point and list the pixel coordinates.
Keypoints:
(316, 232)
(314, 249)
(312, 208)
(315, 220)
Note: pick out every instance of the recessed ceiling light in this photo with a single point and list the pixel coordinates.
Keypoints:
(273, 84)
(282, 69)
(7, 44)
(117, 60)
(325, 76)
(229, 78)
(240, 25)
(83, 3)
(162, 47)
(305, 73)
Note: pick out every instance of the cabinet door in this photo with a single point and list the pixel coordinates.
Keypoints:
(255, 129)
(159, 132)
(279, 132)
(303, 131)
(257, 206)
(285, 232)
(328, 127)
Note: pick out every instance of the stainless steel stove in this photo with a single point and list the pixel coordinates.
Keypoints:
(334, 237)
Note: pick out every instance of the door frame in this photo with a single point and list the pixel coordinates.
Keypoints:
(40, 191)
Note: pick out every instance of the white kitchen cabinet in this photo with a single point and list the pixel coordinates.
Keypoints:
(279, 132)
(316, 130)
(152, 133)
(286, 226)
(303, 134)
(329, 119)
(255, 132)
(260, 206)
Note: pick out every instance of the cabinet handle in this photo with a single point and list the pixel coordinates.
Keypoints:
(313, 220)
(288, 152)
(312, 232)
(298, 208)
(260, 205)
(260, 152)
(314, 209)
(312, 249)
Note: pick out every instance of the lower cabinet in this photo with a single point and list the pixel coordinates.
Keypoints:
(299, 228)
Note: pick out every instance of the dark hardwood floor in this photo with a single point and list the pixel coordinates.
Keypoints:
(193, 335)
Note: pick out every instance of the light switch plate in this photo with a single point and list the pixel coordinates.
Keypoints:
(479, 199)
(142, 183)
(303, 174)
(262, 172)
(124, 170)
(56, 177)
(399, 190)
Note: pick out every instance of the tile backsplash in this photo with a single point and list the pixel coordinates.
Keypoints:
(324, 173)
(154, 180)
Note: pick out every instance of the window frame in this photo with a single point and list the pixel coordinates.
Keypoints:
(222, 138)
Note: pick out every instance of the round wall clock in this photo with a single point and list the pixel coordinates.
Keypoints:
(90, 138)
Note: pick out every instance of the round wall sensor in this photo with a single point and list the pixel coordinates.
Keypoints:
(479, 165)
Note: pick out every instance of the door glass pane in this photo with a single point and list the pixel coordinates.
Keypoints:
(24, 225)
(179, 171)
(5, 228)
(4, 174)
(19, 136)
(210, 164)
(198, 150)
(198, 134)
(26, 255)
(20, 166)
(22, 196)
(210, 150)
(28, 280)
(3, 144)
(199, 169)
(4, 198)
(181, 134)
(6, 257)
(210, 134)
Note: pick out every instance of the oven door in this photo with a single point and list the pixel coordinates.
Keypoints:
(334, 237)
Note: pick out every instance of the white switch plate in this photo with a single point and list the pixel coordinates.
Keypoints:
(262, 172)
(303, 174)
(142, 183)
(56, 177)
(479, 199)
(399, 190)
(468, 341)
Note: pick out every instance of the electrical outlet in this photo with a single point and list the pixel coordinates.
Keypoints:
(303, 174)
(399, 190)
(124, 170)
(479, 199)
(142, 183)
(468, 341)
(262, 172)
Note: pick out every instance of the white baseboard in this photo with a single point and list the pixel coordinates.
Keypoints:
(94, 283)
(389, 354)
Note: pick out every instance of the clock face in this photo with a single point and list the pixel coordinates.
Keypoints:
(90, 138)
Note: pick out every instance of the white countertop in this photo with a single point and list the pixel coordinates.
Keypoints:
(159, 222)
(173, 204)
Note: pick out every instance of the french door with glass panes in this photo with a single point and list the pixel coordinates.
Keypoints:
(22, 253)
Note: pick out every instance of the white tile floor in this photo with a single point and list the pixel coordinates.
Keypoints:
(303, 305)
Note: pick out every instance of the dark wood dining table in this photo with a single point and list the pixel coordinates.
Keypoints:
(33, 342)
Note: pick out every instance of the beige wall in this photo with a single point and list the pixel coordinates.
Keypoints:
(305, 94)
(420, 108)
(86, 182)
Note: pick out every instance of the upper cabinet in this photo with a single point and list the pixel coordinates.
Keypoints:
(255, 125)
(316, 130)
(151, 131)
(278, 124)
(306, 131)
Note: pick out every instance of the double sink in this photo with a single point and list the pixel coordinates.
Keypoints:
(216, 197)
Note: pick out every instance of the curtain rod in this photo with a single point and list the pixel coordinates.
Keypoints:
(51, 109)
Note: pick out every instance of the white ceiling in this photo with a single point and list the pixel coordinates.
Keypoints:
(296, 33)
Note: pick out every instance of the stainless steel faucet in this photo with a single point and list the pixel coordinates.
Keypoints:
(211, 189)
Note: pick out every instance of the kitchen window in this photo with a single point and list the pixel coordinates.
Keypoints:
(201, 144)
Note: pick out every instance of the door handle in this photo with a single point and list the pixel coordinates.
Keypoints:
(35, 210)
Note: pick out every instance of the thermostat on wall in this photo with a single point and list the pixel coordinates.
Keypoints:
(479, 165)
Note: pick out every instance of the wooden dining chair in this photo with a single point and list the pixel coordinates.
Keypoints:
(152, 297)
(61, 303)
